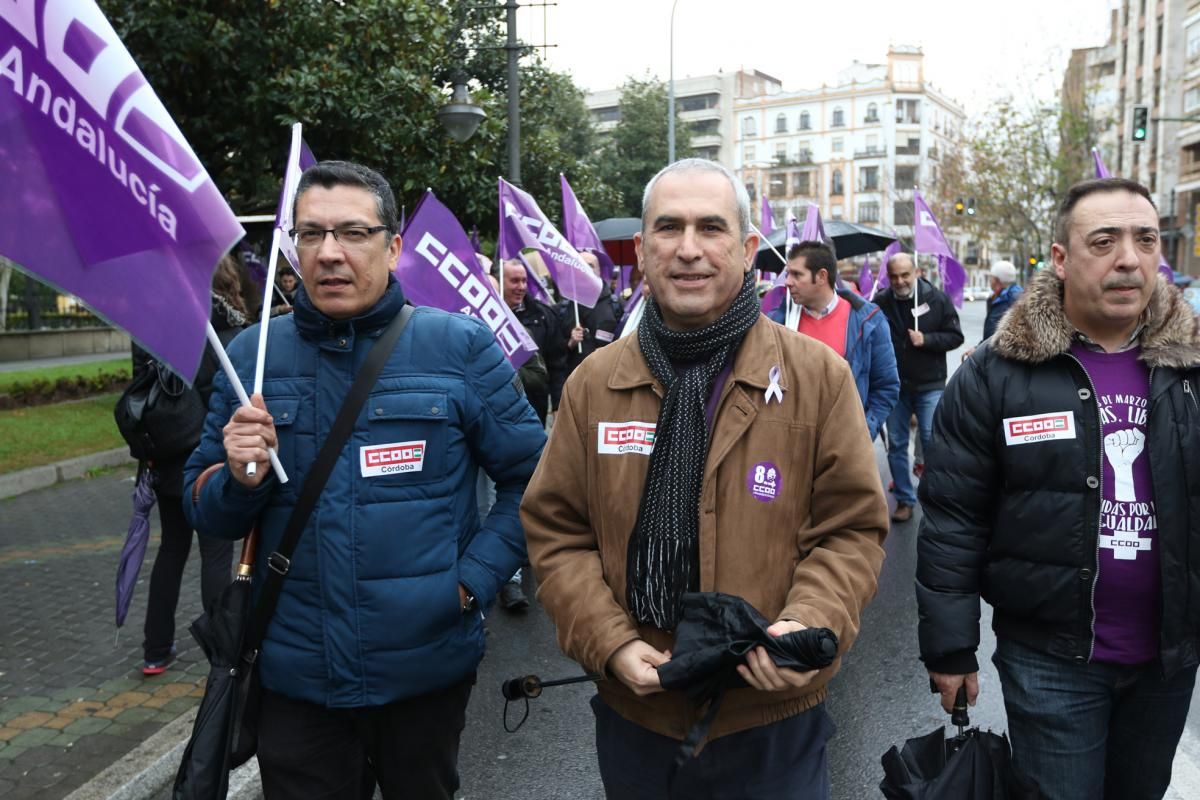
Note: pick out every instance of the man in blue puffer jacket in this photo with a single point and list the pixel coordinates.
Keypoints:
(855, 328)
(370, 657)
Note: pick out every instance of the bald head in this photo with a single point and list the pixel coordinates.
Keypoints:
(591, 260)
(901, 275)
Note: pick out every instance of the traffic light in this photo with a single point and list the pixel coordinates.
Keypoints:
(1141, 123)
(971, 206)
(1033, 262)
(959, 206)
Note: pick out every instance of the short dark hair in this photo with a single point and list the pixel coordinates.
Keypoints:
(1062, 219)
(328, 174)
(817, 256)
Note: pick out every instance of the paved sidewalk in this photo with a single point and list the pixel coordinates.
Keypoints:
(82, 358)
(72, 697)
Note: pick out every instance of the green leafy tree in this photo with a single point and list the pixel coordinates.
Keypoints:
(638, 148)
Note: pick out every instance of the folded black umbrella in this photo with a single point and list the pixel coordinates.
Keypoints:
(716, 633)
(973, 765)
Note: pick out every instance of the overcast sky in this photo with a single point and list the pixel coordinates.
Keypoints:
(974, 50)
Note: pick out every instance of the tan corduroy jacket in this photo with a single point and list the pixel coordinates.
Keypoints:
(811, 554)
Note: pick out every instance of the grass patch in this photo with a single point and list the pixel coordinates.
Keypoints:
(52, 374)
(31, 437)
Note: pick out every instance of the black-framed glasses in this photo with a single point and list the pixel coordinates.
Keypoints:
(348, 236)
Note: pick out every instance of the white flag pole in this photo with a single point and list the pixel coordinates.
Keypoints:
(236, 383)
(577, 344)
(916, 267)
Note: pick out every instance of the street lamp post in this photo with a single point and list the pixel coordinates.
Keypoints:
(671, 89)
(513, 50)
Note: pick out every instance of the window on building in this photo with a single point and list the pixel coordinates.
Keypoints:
(706, 152)
(835, 182)
(778, 186)
(868, 179)
(906, 177)
(905, 72)
(607, 114)
(749, 128)
(1158, 40)
(873, 143)
(801, 183)
(1193, 41)
(699, 102)
(902, 212)
(835, 211)
(837, 144)
(705, 127)
(839, 118)
(805, 121)
(872, 113)
(1191, 99)
(781, 123)
(781, 151)
(748, 154)
(908, 112)
(868, 212)
(750, 190)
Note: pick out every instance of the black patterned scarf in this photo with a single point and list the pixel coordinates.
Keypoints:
(664, 552)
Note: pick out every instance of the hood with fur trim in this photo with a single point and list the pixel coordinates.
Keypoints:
(1036, 328)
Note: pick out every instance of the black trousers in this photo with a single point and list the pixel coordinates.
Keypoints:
(409, 747)
(786, 760)
(216, 571)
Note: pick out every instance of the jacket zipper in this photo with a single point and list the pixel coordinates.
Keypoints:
(1187, 389)
(1100, 476)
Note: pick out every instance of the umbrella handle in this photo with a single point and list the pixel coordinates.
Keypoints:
(249, 548)
(958, 713)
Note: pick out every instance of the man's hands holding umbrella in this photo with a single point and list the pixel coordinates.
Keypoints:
(760, 671)
(947, 686)
(248, 435)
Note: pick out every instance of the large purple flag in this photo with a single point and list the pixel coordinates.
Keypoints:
(522, 225)
(579, 231)
(766, 220)
(928, 238)
(866, 281)
(437, 267)
(102, 197)
(299, 159)
(1102, 172)
(814, 230)
(533, 281)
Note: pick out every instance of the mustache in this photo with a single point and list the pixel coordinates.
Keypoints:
(1124, 282)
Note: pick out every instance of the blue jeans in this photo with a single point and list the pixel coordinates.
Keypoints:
(785, 759)
(922, 404)
(1092, 731)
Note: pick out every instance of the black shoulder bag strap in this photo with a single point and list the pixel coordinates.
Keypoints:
(280, 561)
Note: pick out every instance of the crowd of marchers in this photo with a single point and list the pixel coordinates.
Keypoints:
(1059, 482)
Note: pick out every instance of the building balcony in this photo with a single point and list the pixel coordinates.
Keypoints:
(908, 150)
(872, 152)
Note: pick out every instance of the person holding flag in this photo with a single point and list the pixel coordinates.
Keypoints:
(923, 331)
(597, 325)
(347, 692)
(853, 327)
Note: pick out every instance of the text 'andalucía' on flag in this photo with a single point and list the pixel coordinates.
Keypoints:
(928, 238)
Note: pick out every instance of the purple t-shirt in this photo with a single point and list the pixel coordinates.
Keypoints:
(1128, 583)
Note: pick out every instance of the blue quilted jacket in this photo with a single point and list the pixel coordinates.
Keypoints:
(370, 611)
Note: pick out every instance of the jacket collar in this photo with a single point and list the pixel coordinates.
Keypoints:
(760, 350)
(313, 324)
(1036, 328)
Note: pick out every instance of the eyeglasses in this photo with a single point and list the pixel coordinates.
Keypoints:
(349, 236)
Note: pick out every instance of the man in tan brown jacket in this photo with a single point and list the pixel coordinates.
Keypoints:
(713, 451)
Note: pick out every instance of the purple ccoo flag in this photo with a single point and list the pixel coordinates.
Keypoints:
(766, 220)
(928, 238)
(523, 225)
(102, 196)
(814, 231)
(438, 268)
(579, 231)
(866, 282)
(300, 158)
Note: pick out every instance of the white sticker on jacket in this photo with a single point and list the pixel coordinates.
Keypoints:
(1039, 428)
(921, 310)
(626, 437)
(603, 336)
(391, 459)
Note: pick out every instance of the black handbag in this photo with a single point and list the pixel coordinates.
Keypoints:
(159, 415)
(225, 734)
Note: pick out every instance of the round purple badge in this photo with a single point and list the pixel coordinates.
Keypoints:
(764, 482)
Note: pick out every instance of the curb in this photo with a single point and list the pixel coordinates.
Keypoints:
(28, 480)
(148, 770)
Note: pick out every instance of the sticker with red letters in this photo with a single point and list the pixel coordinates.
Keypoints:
(626, 437)
(1039, 428)
(391, 459)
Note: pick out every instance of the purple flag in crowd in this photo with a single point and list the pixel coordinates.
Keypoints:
(299, 159)
(437, 267)
(522, 225)
(579, 231)
(766, 220)
(102, 196)
(866, 282)
(814, 230)
(533, 281)
(928, 238)
(1102, 172)
(881, 280)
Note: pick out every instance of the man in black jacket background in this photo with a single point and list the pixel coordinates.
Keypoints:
(1062, 487)
(924, 327)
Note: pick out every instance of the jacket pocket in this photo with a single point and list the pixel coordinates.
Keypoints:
(407, 438)
(284, 411)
